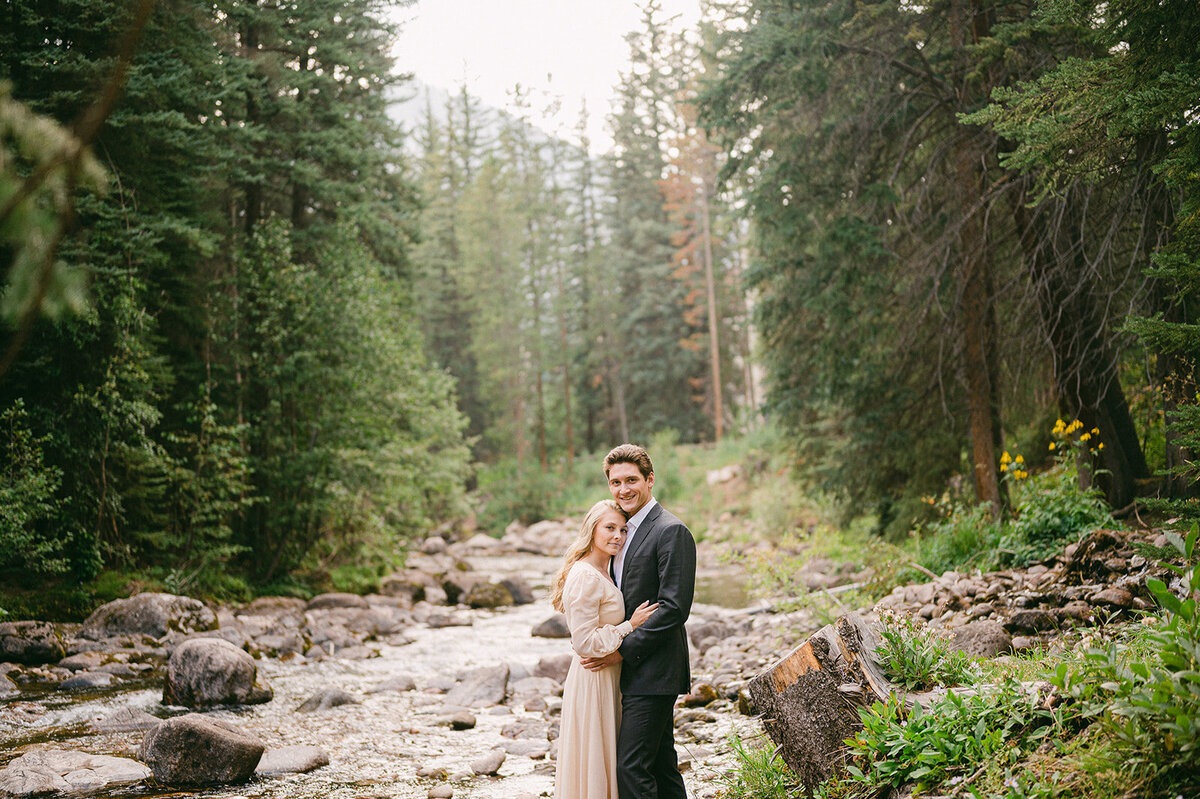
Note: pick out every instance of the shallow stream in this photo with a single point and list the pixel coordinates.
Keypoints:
(376, 746)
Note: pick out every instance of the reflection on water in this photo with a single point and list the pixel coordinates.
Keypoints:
(723, 589)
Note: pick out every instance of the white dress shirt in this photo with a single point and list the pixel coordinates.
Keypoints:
(635, 521)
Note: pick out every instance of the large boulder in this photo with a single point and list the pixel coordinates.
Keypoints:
(198, 750)
(553, 627)
(30, 642)
(480, 688)
(203, 672)
(488, 595)
(148, 614)
(59, 771)
(981, 639)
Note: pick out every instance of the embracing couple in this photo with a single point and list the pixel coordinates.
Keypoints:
(626, 590)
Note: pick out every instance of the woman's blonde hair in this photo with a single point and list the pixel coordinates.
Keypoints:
(580, 547)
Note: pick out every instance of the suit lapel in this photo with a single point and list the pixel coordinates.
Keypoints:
(640, 538)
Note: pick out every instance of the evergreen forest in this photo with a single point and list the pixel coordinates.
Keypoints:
(257, 336)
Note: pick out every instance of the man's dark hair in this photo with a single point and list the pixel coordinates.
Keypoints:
(629, 453)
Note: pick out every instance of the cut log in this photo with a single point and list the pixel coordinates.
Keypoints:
(809, 699)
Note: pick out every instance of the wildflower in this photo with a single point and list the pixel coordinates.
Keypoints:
(1101, 445)
(1019, 459)
(1052, 446)
(1086, 437)
(1095, 431)
(1005, 458)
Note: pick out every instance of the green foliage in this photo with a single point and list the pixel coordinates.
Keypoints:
(1053, 511)
(918, 657)
(1149, 702)
(759, 772)
(948, 742)
(29, 501)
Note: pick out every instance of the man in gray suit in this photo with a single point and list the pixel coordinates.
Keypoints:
(657, 563)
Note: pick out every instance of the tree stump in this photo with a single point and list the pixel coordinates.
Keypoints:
(809, 699)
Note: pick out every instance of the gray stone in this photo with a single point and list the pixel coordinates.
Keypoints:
(488, 595)
(127, 719)
(480, 687)
(1032, 620)
(84, 661)
(210, 671)
(8, 688)
(58, 771)
(522, 594)
(535, 687)
(1113, 597)
(335, 600)
(149, 614)
(440, 792)
(197, 750)
(434, 545)
(402, 682)
(981, 639)
(324, 700)
(553, 627)
(85, 680)
(30, 642)
(460, 720)
(489, 764)
(554, 666)
(291, 760)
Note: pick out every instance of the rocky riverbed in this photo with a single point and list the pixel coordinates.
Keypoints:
(447, 683)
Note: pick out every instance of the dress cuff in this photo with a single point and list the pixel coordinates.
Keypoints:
(624, 629)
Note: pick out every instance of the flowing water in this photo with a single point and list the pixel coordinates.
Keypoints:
(376, 746)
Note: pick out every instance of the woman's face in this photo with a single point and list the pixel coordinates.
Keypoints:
(609, 534)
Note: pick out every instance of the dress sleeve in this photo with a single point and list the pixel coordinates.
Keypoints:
(582, 595)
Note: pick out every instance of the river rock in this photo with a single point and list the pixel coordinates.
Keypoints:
(8, 688)
(85, 680)
(30, 642)
(433, 545)
(148, 614)
(554, 666)
(197, 750)
(981, 639)
(324, 700)
(402, 682)
(1113, 597)
(480, 688)
(291, 760)
(410, 585)
(337, 600)
(126, 719)
(488, 595)
(440, 792)
(58, 771)
(489, 764)
(522, 594)
(210, 671)
(1032, 620)
(460, 720)
(553, 627)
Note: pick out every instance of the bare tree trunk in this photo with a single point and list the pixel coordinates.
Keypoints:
(714, 348)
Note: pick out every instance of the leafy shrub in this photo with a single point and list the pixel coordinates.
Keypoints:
(917, 657)
(1150, 701)
(760, 774)
(965, 536)
(1053, 512)
(947, 742)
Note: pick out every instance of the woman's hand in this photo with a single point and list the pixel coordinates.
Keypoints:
(643, 612)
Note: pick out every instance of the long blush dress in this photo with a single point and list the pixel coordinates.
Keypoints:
(591, 707)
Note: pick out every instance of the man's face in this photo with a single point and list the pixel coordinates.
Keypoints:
(628, 487)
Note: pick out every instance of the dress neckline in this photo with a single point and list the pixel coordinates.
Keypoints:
(607, 579)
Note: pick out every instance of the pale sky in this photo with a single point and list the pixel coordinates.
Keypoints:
(572, 48)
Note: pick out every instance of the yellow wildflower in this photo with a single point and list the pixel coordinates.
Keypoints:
(1086, 437)
(1020, 459)
(1052, 445)
(1101, 445)
(1005, 458)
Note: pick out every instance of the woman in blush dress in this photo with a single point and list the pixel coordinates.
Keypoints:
(595, 611)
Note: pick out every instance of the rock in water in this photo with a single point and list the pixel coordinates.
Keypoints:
(148, 614)
(480, 688)
(488, 595)
(553, 627)
(30, 642)
(323, 700)
(58, 771)
(488, 764)
(197, 750)
(203, 672)
(291, 760)
(127, 719)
